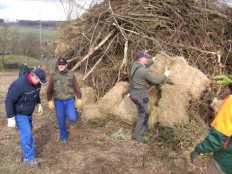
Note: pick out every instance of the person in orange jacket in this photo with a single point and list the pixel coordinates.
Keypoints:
(218, 139)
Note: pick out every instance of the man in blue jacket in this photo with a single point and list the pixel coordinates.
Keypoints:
(22, 97)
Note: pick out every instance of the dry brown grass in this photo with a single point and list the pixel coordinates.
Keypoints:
(100, 146)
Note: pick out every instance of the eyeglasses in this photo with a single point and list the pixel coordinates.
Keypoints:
(36, 78)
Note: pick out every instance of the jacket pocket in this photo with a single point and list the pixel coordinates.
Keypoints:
(70, 81)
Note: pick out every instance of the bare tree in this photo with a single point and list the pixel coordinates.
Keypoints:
(4, 32)
(74, 8)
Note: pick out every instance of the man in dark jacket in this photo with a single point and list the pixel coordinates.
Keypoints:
(24, 68)
(22, 97)
(139, 76)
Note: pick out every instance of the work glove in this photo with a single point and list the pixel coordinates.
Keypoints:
(40, 109)
(11, 122)
(79, 103)
(222, 80)
(193, 155)
(167, 72)
(153, 58)
(51, 105)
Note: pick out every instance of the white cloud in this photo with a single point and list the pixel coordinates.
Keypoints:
(12, 10)
(31, 10)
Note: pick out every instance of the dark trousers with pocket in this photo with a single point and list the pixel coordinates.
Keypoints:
(140, 99)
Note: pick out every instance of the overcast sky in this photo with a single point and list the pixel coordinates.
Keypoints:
(229, 2)
(12, 10)
(31, 10)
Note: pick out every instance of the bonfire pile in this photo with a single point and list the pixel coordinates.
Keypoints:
(102, 42)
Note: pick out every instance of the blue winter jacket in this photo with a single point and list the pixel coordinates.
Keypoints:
(22, 97)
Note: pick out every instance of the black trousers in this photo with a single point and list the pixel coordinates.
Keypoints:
(140, 99)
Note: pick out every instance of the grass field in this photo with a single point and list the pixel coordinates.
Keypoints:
(31, 62)
(48, 34)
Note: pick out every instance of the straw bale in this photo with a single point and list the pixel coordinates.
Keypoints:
(91, 111)
(125, 110)
(185, 83)
(113, 97)
(190, 79)
(183, 75)
(172, 108)
(88, 95)
(154, 95)
(161, 61)
(169, 106)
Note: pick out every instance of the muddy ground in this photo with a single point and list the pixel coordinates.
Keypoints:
(96, 147)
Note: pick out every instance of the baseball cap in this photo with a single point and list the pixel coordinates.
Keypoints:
(140, 54)
(62, 61)
(40, 74)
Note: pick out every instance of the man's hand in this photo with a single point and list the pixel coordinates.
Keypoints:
(40, 109)
(79, 103)
(167, 72)
(193, 155)
(51, 105)
(11, 122)
(222, 80)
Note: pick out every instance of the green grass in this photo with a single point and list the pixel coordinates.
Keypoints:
(31, 62)
(48, 34)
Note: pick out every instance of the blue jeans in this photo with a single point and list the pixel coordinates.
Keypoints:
(24, 124)
(65, 108)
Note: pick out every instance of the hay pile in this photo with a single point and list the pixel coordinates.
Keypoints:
(184, 84)
(113, 97)
(115, 102)
(101, 43)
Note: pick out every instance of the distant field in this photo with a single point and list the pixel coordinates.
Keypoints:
(31, 62)
(48, 34)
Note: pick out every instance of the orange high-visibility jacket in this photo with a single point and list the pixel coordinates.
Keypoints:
(223, 119)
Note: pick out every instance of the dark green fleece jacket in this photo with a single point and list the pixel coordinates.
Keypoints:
(142, 75)
(214, 143)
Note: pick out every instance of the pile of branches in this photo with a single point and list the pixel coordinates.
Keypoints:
(102, 42)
